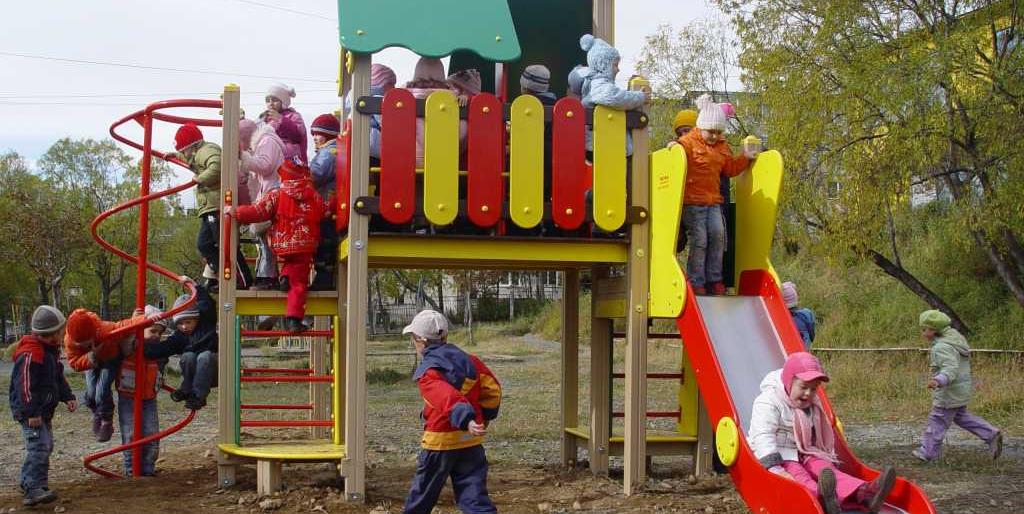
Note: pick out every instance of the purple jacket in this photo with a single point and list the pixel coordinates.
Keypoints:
(292, 131)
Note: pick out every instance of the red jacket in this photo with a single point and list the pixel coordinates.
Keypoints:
(456, 388)
(295, 208)
(704, 166)
(87, 342)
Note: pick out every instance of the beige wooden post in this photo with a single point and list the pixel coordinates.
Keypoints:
(570, 363)
(355, 329)
(320, 362)
(638, 279)
(227, 359)
(604, 20)
(600, 380)
(702, 459)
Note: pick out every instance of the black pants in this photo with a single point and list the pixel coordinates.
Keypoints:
(208, 244)
(326, 261)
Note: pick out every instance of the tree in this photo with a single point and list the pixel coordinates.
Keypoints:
(873, 101)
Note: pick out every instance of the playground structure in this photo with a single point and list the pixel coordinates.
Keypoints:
(729, 342)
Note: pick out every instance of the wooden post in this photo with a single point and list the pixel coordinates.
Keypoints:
(604, 20)
(705, 442)
(227, 365)
(600, 381)
(357, 290)
(268, 477)
(339, 357)
(638, 279)
(570, 363)
(319, 392)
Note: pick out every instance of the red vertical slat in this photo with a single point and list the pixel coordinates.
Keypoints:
(486, 151)
(343, 175)
(398, 156)
(568, 166)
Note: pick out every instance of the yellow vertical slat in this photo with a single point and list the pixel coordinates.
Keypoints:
(609, 168)
(668, 285)
(526, 162)
(757, 203)
(441, 158)
(688, 399)
(337, 386)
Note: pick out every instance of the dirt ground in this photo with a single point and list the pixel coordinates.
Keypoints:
(524, 476)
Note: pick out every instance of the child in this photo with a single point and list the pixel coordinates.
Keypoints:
(708, 157)
(382, 80)
(37, 386)
(599, 86)
(195, 339)
(461, 397)
(325, 131)
(950, 367)
(287, 122)
(793, 437)
(683, 123)
(296, 211)
(262, 154)
(535, 81)
(465, 84)
(127, 385)
(428, 78)
(203, 158)
(89, 348)
(803, 317)
(574, 83)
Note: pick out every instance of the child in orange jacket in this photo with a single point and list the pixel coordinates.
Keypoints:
(89, 348)
(708, 157)
(296, 210)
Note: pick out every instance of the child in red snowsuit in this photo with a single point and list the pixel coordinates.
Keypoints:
(296, 210)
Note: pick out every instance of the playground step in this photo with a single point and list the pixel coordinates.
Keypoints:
(305, 451)
(253, 293)
(272, 303)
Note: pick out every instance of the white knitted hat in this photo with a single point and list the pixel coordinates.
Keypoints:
(428, 324)
(711, 115)
(282, 93)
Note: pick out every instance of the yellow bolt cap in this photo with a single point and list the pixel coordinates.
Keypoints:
(569, 114)
(485, 208)
(399, 105)
(569, 211)
(362, 103)
(486, 109)
(398, 205)
(441, 207)
(359, 205)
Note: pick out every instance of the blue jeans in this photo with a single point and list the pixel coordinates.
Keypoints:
(150, 425)
(99, 394)
(468, 469)
(35, 470)
(705, 234)
(198, 373)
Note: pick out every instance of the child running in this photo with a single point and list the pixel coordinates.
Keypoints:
(37, 386)
(792, 436)
(950, 368)
(461, 397)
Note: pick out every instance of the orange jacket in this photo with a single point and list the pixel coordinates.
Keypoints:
(704, 166)
(87, 334)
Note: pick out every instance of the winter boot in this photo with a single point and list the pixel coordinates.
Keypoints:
(827, 492)
(37, 496)
(872, 494)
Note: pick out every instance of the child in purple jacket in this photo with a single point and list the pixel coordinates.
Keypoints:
(287, 122)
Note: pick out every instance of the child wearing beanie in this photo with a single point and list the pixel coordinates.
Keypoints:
(465, 84)
(599, 88)
(791, 435)
(382, 80)
(287, 122)
(803, 317)
(950, 368)
(325, 130)
(536, 81)
(195, 339)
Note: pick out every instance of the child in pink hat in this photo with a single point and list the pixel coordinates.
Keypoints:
(793, 437)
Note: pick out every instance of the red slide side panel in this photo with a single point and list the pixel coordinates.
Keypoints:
(486, 151)
(343, 176)
(398, 156)
(568, 164)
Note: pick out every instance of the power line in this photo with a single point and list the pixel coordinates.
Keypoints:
(158, 68)
(7, 95)
(285, 9)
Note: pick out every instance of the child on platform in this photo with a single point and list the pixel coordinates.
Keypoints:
(536, 81)
(262, 154)
(37, 386)
(287, 122)
(950, 369)
(429, 77)
(325, 130)
(461, 397)
(296, 210)
(793, 437)
(382, 80)
(465, 84)
(128, 385)
(803, 317)
(599, 86)
(195, 340)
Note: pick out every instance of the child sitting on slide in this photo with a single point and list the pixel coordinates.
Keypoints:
(792, 436)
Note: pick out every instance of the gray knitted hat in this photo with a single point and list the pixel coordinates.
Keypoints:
(191, 312)
(47, 320)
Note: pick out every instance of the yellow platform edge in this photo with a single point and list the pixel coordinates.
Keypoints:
(287, 451)
(439, 252)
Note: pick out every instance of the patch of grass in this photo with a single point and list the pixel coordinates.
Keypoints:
(548, 323)
(385, 376)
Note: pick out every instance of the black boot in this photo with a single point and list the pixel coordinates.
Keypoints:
(827, 492)
(294, 325)
(285, 284)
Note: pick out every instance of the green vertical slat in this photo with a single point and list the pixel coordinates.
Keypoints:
(238, 380)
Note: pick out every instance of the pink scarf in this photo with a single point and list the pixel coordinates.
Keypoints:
(804, 426)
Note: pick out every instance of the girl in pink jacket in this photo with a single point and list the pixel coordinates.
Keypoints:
(262, 155)
(428, 78)
(287, 122)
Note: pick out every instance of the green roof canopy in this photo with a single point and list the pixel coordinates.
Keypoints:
(431, 28)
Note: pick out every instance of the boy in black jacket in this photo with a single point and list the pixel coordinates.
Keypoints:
(195, 339)
(37, 386)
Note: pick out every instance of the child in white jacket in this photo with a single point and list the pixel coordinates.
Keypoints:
(793, 437)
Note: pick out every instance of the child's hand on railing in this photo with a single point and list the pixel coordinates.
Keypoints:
(227, 210)
(463, 100)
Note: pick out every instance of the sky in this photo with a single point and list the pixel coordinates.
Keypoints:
(252, 43)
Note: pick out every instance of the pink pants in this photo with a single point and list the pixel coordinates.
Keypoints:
(806, 473)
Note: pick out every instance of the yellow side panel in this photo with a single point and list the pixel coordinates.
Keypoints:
(526, 162)
(441, 158)
(668, 285)
(687, 400)
(757, 202)
(315, 306)
(609, 168)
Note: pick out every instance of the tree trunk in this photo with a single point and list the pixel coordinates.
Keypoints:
(911, 282)
(439, 284)
(415, 289)
(1005, 271)
(1015, 248)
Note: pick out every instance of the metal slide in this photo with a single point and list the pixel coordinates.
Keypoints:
(733, 342)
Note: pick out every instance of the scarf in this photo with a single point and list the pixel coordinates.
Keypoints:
(806, 425)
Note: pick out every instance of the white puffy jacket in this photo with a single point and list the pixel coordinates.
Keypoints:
(771, 424)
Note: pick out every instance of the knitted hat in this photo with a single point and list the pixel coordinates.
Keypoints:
(789, 294)
(186, 136)
(711, 116)
(600, 55)
(467, 81)
(430, 68)
(575, 81)
(428, 324)
(536, 78)
(382, 77)
(47, 320)
(325, 125)
(935, 320)
(686, 118)
(282, 93)
(191, 312)
(291, 170)
(83, 326)
(246, 128)
(151, 311)
(804, 366)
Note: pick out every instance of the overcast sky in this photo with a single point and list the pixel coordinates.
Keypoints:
(241, 41)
